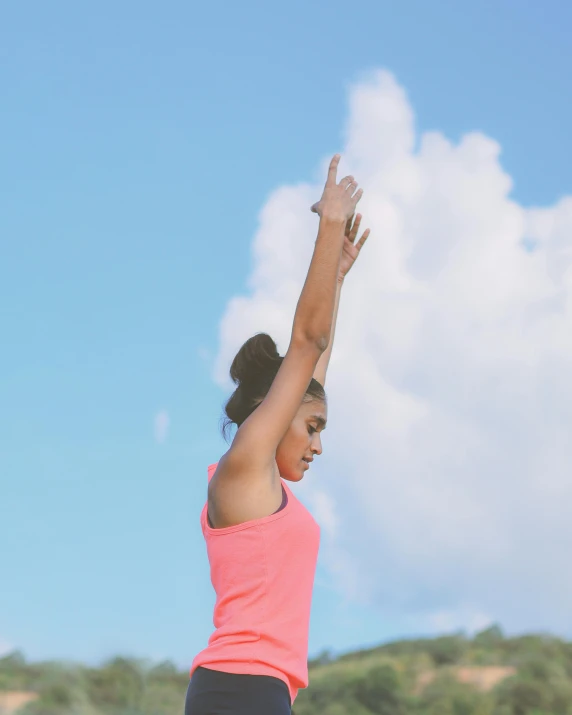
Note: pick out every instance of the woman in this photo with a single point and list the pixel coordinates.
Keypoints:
(262, 543)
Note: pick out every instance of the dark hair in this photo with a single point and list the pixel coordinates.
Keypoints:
(253, 369)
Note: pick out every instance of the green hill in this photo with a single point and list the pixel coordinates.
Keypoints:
(449, 675)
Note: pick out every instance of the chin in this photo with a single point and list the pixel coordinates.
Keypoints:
(296, 478)
(293, 476)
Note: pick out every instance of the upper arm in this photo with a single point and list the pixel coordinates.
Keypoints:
(258, 437)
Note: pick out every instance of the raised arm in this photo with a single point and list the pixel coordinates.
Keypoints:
(258, 437)
(244, 485)
(349, 255)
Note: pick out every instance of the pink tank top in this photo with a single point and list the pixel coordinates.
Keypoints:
(263, 573)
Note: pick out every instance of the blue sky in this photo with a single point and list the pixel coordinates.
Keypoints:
(139, 142)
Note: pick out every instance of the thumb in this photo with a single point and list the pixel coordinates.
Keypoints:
(315, 207)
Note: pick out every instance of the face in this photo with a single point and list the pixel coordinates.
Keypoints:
(302, 440)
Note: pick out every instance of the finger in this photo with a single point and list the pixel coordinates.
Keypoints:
(333, 171)
(314, 208)
(357, 196)
(352, 187)
(355, 229)
(347, 181)
(363, 239)
(349, 226)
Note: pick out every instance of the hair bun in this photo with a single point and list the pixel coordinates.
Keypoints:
(257, 353)
(254, 369)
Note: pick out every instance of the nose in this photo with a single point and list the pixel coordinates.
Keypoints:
(316, 445)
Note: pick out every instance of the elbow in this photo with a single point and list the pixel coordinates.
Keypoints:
(320, 342)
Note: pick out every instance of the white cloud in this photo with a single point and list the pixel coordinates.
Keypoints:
(161, 426)
(464, 618)
(446, 477)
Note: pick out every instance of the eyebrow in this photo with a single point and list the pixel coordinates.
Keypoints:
(320, 420)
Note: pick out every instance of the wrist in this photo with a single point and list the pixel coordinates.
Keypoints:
(333, 220)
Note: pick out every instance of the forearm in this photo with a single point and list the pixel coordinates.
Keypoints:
(323, 362)
(313, 317)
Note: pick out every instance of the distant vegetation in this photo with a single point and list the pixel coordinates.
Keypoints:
(450, 675)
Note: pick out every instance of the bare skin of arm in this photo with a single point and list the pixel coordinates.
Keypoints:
(350, 253)
(246, 484)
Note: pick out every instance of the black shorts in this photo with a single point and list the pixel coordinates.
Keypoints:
(212, 692)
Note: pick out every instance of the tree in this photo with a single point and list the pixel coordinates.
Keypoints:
(524, 696)
(118, 684)
(489, 638)
(447, 649)
(379, 691)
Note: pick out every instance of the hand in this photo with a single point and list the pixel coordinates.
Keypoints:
(351, 249)
(338, 201)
